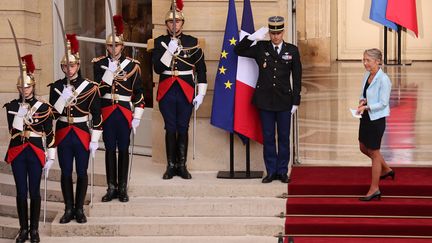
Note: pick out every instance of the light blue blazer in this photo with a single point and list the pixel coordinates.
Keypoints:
(377, 95)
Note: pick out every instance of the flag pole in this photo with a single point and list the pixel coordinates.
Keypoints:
(385, 45)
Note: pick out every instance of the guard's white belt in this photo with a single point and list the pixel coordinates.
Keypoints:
(178, 73)
(117, 97)
(70, 119)
(30, 134)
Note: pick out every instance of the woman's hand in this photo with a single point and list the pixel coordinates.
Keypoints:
(361, 109)
(362, 102)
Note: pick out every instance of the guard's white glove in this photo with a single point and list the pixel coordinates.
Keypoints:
(93, 147)
(199, 98)
(49, 161)
(112, 65)
(173, 46)
(259, 34)
(67, 93)
(135, 124)
(47, 167)
(197, 101)
(293, 109)
(138, 113)
(94, 142)
(22, 111)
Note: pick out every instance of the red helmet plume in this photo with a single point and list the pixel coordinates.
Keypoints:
(28, 61)
(73, 42)
(179, 4)
(118, 23)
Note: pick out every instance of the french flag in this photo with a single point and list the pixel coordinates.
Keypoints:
(246, 116)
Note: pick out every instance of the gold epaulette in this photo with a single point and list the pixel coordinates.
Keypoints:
(97, 59)
(133, 60)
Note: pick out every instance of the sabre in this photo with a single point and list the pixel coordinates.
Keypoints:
(64, 42)
(113, 32)
(91, 180)
(21, 77)
(131, 158)
(45, 198)
(194, 121)
(174, 9)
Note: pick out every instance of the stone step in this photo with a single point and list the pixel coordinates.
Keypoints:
(170, 226)
(55, 172)
(8, 208)
(191, 206)
(9, 228)
(7, 188)
(161, 239)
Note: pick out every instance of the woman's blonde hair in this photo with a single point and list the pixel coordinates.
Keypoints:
(375, 53)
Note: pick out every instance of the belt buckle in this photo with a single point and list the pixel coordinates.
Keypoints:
(26, 134)
(176, 73)
(70, 119)
(116, 97)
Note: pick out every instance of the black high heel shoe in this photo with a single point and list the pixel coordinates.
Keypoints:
(374, 195)
(391, 173)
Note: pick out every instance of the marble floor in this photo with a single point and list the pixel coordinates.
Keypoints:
(328, 133)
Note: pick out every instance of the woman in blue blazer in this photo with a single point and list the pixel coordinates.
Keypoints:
(374, 107)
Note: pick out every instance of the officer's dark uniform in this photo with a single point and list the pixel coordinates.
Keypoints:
(175, 94)
(118, 103)
(274, 97)
(73, 139)
(26, 154)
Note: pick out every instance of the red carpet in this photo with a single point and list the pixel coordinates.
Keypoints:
(356, 240)
(332, 208)
(355, 181)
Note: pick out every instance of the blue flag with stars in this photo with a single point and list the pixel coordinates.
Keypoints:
(224, 90)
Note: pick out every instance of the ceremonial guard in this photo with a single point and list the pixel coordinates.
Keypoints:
(121, 89)
(179, 61)
(30, 127)
(77, 103)
(274, 96)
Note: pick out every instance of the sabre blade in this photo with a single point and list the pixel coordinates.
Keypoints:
(113, 33)
(21, 77)
(64, 41)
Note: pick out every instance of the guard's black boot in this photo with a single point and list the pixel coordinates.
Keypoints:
(123, 175)
(111, 175)
(67, 190)
(81, 191)
(182, 147)
(35, 206)
(22, 209)
(170, 144)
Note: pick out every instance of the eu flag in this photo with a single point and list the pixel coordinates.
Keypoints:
(224, 91)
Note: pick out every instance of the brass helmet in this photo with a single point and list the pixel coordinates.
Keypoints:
(178, 15)
(28, 68)
(118, 26)
(72, 49)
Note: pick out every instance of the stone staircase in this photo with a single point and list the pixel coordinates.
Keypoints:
(204, 209)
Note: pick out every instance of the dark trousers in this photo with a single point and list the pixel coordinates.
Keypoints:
(69, 149)
(27, 165)
(276, 161)
(116, 132)
(176, 110)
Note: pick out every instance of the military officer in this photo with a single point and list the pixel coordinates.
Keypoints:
(179, 61)
(122, 104)
(75, 100)
(30, 123)
(274, 96)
